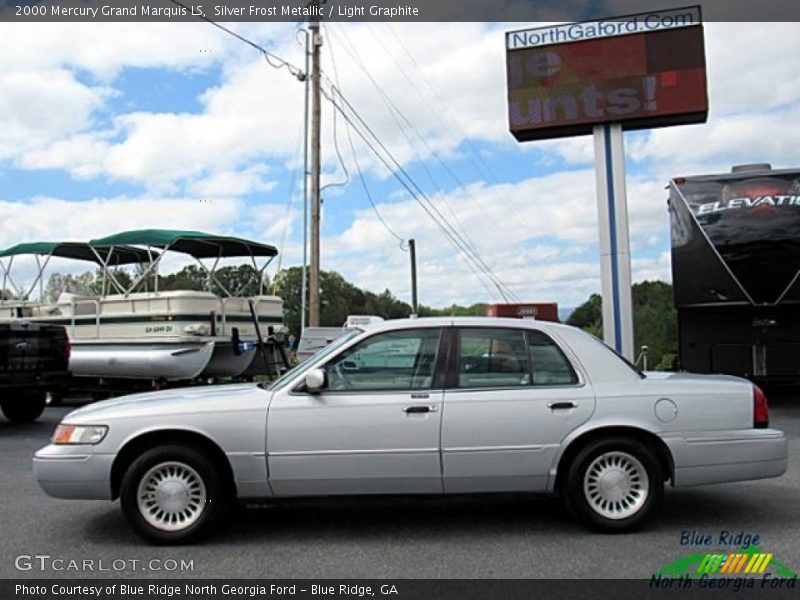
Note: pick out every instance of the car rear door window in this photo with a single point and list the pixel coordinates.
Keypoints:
(492, 358)
(549, 366)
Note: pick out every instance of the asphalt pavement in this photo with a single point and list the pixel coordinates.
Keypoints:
(465, 537)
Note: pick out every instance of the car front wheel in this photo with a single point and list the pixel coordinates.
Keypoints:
(173, 495)
(614, 485)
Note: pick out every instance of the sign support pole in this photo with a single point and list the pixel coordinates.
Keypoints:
(615, 254)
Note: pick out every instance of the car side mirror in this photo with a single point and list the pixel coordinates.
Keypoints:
(316, 380)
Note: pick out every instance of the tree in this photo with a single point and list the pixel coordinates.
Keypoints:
(288, 284)
(59, 283)
(589, 316)
(122, 276)
(241, 280)
(454, 310)
(655, 321)
(190, 277)
(338, 299)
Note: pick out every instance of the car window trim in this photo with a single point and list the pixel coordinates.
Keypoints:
(432, 388)
(561, 352)
(453, 364)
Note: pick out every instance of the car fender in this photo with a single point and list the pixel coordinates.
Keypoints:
(617, 426)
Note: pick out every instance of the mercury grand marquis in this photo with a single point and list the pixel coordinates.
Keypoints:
(420, 406)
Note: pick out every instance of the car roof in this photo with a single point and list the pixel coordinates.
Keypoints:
(410, 323)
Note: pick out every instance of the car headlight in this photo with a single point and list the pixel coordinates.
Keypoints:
(79, 434)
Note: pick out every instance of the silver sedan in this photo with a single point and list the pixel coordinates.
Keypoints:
(420, 406)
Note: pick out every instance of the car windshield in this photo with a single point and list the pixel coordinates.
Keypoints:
(306, 365)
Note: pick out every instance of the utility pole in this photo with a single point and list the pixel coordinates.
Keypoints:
(412, 248)
(313, 283)
(304, 280)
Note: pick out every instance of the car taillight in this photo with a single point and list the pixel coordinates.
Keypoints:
(760, 409)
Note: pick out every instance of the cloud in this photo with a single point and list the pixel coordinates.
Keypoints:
(37, 108)
(537, 232)
(233, 183)
(538, 235)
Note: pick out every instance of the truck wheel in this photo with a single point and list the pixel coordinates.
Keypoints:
(27, 406)
(173, 495)
(614, 485)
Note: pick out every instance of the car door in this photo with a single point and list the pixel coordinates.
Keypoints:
(512, 397)
(374, 428)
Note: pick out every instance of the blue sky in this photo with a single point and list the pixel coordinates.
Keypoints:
(118, 126)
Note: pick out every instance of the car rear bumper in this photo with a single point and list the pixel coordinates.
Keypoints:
(73, 472)
(723, 456)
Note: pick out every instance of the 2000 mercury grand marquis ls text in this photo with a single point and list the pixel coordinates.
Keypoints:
(420, 406)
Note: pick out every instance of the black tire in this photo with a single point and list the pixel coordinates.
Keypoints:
(614, 459)
(212, 507)
(25, 407)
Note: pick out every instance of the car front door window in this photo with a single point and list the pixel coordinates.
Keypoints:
(393, 361)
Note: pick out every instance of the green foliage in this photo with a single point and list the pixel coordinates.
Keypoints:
(190, 277)
(655, 321)
(241, 280)
(58, 283)
(338, 299)
(589, 316)
(454, 310)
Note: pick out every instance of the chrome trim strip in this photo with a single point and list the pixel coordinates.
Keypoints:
(55, 457)
(253, 454)
(748, 438)
(495, 448)
(352, 452)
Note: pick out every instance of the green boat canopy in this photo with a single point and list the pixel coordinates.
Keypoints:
(195, 243)
(120, 255)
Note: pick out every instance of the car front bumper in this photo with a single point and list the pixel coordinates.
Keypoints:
(65, 471)
(724, 456)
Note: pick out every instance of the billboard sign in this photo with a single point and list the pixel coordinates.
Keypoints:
(642, 71)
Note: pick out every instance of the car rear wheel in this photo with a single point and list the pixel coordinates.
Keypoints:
(614, 485)
(25, 407)
(173, 495)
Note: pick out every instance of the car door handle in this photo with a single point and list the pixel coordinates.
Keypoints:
(420, 408)
(561, 405)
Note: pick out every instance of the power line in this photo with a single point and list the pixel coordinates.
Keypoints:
(397, 116)
(473, 155)
(396, 169)
(272, 59)
(358, 166)
(447, 228)
(287, 212)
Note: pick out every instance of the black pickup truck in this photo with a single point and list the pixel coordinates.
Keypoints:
(34, 360)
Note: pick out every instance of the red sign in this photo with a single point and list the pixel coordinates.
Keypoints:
(641, 80)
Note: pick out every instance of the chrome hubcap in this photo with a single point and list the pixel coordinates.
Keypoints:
(171, 496)
(616, 485)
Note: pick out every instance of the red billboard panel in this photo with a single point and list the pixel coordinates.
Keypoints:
(641, 80)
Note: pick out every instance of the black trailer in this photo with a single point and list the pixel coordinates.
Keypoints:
(736, 272)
